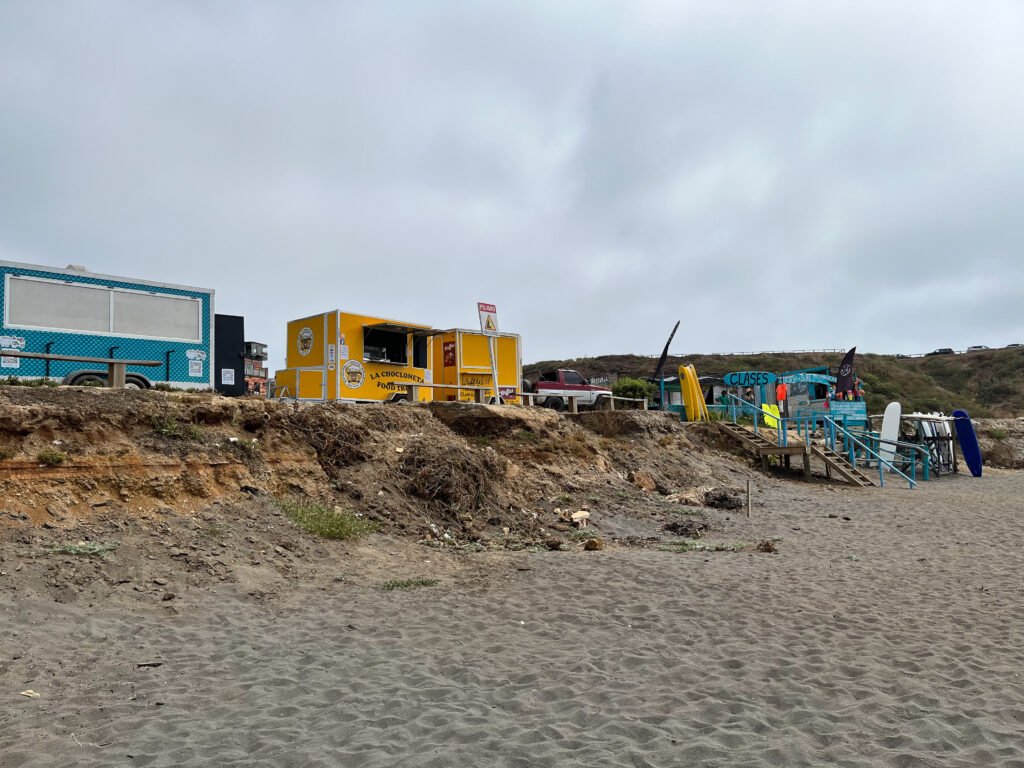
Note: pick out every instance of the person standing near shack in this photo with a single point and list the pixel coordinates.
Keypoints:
(781, 393)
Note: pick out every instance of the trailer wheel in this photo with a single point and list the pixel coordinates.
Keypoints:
(135, 382)
(89, 380)
(555, 404)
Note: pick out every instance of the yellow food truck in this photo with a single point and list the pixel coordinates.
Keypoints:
(463, 358)
(358, 358)
(344, 356)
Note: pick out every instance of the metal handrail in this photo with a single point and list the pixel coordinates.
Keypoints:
(881, 475)
(782, 435)
(782, 441)
(808, 422)
(915, 447)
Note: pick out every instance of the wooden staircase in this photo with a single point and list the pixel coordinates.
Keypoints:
(839, 464)
(747, 437)
(763, 447)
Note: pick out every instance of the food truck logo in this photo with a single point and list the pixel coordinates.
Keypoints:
(305, 341)
(448, 349)
(353, 374)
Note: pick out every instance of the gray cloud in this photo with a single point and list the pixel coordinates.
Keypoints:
(789, 175)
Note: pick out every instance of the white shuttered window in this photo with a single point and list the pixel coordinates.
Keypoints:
(33, 303)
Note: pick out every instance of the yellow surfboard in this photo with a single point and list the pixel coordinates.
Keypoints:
(693, 400)
(700, 394)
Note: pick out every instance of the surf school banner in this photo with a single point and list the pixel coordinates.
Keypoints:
(809, 378)
(748, 379)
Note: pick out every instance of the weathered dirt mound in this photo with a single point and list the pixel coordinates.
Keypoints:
(459, 482)
(1002, 442)
(629, 423)
(479, 420)
(449, 471)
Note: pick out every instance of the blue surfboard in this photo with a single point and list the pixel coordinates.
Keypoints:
(968, 442)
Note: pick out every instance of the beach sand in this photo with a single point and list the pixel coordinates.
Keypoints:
(894, 638)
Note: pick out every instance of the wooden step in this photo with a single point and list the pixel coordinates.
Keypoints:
(839, 463)
(744, 434)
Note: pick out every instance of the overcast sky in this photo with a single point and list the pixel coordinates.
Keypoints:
(779, 175)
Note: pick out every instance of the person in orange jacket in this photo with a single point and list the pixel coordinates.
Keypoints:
(781, 393)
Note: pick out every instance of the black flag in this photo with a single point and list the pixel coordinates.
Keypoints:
(844, 381)
(664, 354)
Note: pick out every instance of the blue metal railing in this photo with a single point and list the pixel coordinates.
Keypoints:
(908, 451)
(833, 428)
(739, 407)
(807, 423)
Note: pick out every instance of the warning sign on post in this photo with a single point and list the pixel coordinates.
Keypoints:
(488, 318)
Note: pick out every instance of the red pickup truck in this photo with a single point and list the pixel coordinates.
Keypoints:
(557, 384)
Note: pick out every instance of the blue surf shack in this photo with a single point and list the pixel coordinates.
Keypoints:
(808, 391)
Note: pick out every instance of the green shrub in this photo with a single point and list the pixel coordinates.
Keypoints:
(692, 545)
(51, 457)
(14, 381)
(169, 426)
(247, 449)
(635, 388)
(87, 548)
(327, 523)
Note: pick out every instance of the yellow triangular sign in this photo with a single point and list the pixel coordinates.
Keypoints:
(489, 324)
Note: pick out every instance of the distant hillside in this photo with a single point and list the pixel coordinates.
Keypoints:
(985, 383)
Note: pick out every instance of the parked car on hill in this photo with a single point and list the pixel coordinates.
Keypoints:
(977, 348)
(941, 351)
(557, 385)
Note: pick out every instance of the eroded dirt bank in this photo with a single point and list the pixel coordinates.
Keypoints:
(185, 489)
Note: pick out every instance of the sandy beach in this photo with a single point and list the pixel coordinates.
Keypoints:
(892, 638)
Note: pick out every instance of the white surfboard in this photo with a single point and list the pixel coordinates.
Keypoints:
(890, 431)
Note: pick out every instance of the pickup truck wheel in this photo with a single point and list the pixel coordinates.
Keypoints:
(135, 382)
(555, 404)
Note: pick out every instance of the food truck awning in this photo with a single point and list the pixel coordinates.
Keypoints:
(417, 330)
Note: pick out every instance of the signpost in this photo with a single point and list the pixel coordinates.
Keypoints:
(489, 327)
